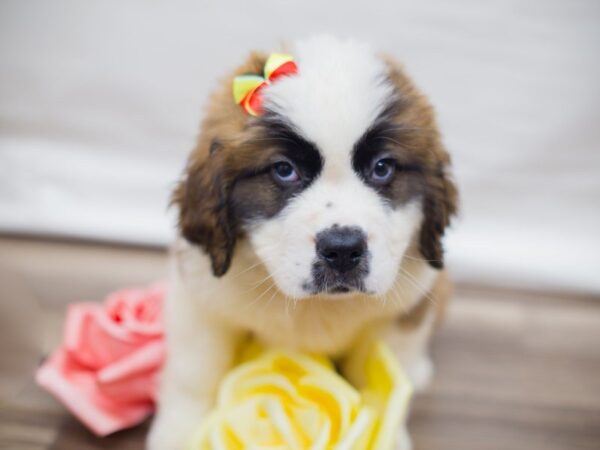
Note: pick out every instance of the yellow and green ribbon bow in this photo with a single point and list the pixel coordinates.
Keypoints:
(247, 88)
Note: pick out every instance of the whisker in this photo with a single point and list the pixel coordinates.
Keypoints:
(262, 281)
(397, 296)
(420, 288)
(270, 300)
(257, 299)
(248, 269)
(421, 259)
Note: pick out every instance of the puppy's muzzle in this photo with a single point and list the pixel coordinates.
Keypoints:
(342, 262)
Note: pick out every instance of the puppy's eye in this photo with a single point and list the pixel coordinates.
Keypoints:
(383, 171)
(285, 173)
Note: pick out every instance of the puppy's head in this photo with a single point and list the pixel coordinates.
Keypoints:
(335, 182)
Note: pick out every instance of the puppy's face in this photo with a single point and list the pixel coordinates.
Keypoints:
(332, 185)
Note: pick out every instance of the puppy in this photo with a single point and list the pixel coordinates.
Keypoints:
(315, 226)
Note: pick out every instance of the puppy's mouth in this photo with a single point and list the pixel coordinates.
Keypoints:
(335, 285)
(344, 288)
(340, 289)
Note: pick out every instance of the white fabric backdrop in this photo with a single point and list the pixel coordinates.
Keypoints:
(100, 101)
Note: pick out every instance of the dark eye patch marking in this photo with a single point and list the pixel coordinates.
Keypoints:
(303, 153)
(389, 139)
(255, 194)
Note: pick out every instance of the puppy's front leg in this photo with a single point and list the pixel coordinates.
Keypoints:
(199, 354)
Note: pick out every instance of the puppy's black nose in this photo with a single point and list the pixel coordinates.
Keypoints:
(342, 248)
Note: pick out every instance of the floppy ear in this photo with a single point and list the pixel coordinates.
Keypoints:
(440, 204)
(204, 213)
(203, 197)
(440, 200)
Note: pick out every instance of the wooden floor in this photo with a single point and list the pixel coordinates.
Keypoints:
(515, 370)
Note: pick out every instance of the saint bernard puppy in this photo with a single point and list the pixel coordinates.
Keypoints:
(316, 225)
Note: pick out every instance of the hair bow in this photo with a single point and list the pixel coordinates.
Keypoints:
(247, 88)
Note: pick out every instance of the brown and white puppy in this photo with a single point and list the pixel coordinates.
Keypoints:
(315, 226)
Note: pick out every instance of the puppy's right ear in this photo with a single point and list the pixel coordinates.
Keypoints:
(204, 214)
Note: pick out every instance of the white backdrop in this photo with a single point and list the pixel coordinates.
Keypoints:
(100, 101)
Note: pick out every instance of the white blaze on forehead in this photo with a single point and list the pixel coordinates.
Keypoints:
(340, 88)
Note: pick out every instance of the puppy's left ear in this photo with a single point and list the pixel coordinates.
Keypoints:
(204, 213)
(440, 204)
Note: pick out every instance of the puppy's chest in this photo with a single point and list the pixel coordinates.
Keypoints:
(313, 327)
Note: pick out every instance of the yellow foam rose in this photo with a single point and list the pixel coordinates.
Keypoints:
(284, 400)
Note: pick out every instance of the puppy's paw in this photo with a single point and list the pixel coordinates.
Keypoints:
(420, 372)
(403, 442)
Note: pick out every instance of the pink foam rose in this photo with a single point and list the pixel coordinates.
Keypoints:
(106, 370)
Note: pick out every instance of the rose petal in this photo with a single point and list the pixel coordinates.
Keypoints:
(134, 377)
(141, 388)
(94, 340)
(139, 310)
(76, 388)
(150, 357)
(388, 390)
